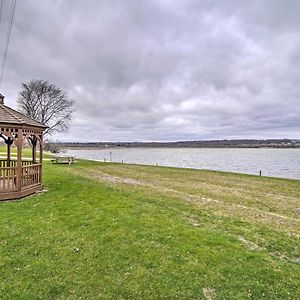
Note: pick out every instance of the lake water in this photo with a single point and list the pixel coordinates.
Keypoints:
(272, 162)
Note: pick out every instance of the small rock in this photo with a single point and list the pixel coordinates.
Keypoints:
(209, 293)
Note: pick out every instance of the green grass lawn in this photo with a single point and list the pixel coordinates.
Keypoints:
(116, 231)
(26, 153)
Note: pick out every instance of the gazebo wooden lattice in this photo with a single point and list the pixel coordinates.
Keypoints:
(19, 177)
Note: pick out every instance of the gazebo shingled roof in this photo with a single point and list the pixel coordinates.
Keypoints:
(11, 116)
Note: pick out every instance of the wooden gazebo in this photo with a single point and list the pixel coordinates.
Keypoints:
(19, 177)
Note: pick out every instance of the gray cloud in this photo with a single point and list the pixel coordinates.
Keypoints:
(164, 70)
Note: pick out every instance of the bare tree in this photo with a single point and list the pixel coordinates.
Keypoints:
(46, 103)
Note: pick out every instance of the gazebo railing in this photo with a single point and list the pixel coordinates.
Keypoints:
(30, 175)
(4, 163)
(8, 181)
(13, 163)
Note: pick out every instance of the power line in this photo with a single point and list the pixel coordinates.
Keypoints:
(11, 19)
(1, 7)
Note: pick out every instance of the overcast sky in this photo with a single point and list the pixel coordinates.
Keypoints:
(163, 69)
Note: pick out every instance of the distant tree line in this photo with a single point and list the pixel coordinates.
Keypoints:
(242, 143)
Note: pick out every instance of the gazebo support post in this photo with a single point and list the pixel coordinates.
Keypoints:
(19, 159)
(41, 153)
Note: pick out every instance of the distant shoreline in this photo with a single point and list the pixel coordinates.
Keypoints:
(151, 147)
(243, 143)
